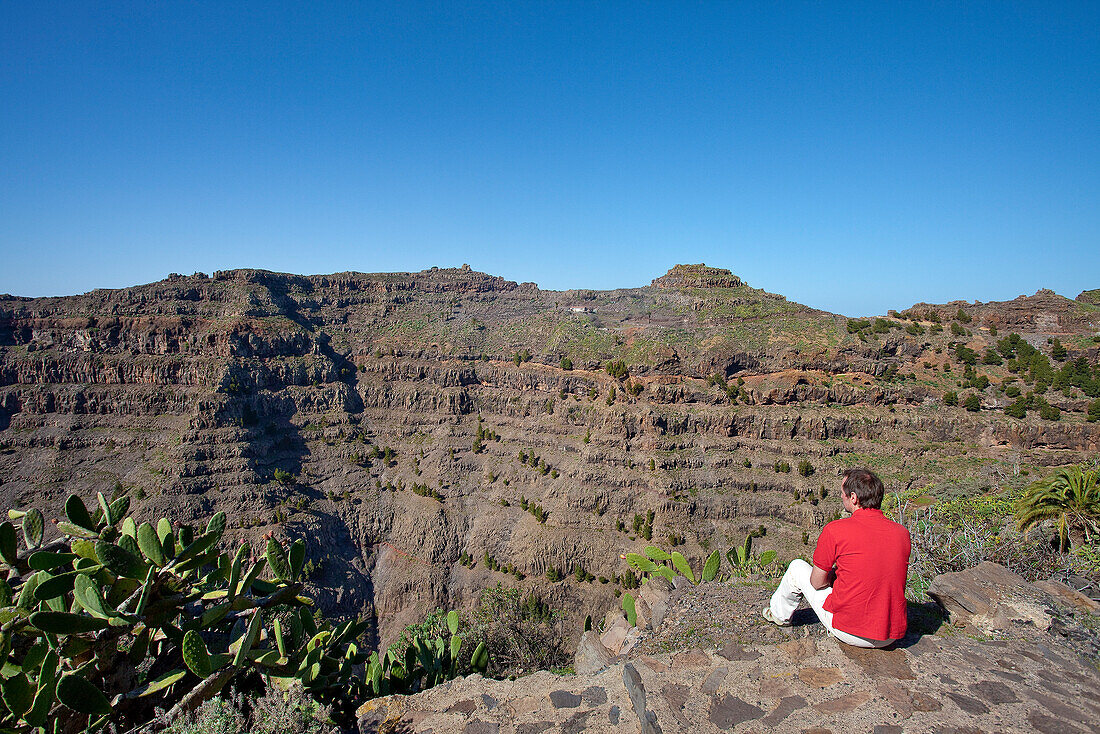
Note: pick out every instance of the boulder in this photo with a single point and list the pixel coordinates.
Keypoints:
(655, 593)
(681, 583)
(645, 614)
(1069, 596)
(615, 635)
(591, 656)
(975, 591)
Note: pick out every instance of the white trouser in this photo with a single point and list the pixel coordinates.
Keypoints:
(794, 587)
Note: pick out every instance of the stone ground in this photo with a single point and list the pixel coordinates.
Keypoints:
(714, 665)
(713, 614)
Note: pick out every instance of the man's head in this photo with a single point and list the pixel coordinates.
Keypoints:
(864, 486)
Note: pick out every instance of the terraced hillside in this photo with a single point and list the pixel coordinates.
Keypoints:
(435, 433)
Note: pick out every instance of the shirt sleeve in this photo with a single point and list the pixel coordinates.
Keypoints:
(825, 552)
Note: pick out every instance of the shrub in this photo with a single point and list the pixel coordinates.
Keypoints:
(966, 355)
(951, 398)
(805, 468)
(1017, 409)
(617, 369)
(973, 403)
(991, 357)
(857, 325)
(962, 316)
(1049, 412)
(961, 531)
(1094, 411)
(782, 467)
(275, 712)
(566, 363)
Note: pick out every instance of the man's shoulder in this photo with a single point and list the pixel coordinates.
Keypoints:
(839, 523)
(852, 522)
(898, 531)
(891, 523)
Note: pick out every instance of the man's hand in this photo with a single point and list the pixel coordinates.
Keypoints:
(819, 578)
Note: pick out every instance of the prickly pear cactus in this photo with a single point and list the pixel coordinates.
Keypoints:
(657, 562)
(83, 612)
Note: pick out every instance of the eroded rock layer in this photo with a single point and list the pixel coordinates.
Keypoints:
(384, 417)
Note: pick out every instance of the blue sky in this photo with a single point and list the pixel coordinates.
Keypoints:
(854, 157)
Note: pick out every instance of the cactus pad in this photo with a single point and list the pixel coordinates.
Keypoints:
(75, 692)
(276, 558)
(33, 526)
(710, 570)
(78, 513)
(195, 654)
(63, 623)
(8, 550)
(683, 566)
(119, 561)
(630, 609)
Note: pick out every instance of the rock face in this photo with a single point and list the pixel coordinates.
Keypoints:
(275, 397)
(1020, 679)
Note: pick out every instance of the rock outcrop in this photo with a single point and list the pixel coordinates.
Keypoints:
(1019, 675)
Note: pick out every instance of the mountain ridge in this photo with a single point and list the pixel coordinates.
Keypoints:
(678, 276)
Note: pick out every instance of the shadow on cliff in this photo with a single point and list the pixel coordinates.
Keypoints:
(277, 444)
(7, 332)
(344, 586)
(270, 441)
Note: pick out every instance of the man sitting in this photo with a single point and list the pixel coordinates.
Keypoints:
(857, 582)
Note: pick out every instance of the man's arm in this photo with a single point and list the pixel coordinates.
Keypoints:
(824, 558)
(819, 578)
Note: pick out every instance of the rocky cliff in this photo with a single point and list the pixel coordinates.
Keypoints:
(401, 422)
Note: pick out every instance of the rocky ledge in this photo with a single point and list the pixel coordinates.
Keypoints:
(1004, 656)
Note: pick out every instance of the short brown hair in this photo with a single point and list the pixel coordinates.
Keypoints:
(865, 486)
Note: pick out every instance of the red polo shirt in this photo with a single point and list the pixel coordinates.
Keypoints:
(871, 554)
